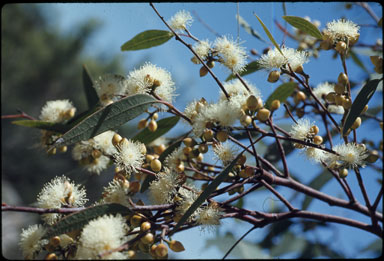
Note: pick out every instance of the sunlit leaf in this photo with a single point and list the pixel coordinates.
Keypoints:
(304, 25)
(281, 93)
(248, 69)
(147, 39)
(269, 35)
(107, 118)
(359, 103)
(44, 125)
(78, 220)
(163, 126)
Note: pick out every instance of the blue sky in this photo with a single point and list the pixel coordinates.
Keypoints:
(122, 21)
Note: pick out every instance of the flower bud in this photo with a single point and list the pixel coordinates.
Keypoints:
(356, 124)
(222, 136)
(208, 134)
(176, 246)
(189, 142)
(300, 96)
(159, 149)
(161, 250)
(211, 64)
(135, 220)
(203, 71)
(275, 104)
(364, 109)
(373, 156)
(339, 88)
(253, 103)
(318, 140)
(341, 47)
(343, 173)
(314, 130)
(273, 76)
(203, 148)
(156, 165)
(149, 238)
(347, 104)
(339, 99)
(330, 97)
(263, 114)
(142, 124)
(116, 139)
(145, 226)
(242, 159)
(245, 120)
(342, 79)
(152, 126)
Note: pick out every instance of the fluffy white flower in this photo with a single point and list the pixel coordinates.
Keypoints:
(31, 242)
(116, 192)
(175, 158)
(188, 197)
(57, 111)
(341, 30)
(100, 235)
(181, 20)
(163, 187)
(316, 155)
(323, 89)
(208, 217)
(150, 77)
(234, 55)
(302, 129)
(275, 60)
(110, 87)
(103, 142)
(59, 192)
(202, 49)
(338, 109)
(129, 155)
(225, 152)
(350, 155)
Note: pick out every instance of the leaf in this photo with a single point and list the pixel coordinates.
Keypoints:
(147, 39)
(248, 28)
(269, 35)
(281, 93)
(376, 247)
(163, 126)
(248, 69)
(317, 183)
(359, 103)
(90, 92)
(106, 118)
(44, 125)
(78, 220)
(357, 61)
(304, 25)
(206, 193)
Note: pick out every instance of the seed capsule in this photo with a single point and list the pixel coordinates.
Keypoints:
(149, 238)
(318, 140)
(203, 148)
(208, 134)
(116, 139)
(176, 246)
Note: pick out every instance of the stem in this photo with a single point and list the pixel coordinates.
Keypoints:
(277, 194)
(238, 241)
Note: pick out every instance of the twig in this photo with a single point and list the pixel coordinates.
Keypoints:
(238, 241)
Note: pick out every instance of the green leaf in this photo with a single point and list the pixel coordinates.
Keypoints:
(248, 28)
(147, 39)
(79, 219)
(289, 243)
(206, 193)
(359, 103)
(281, 93)
(248, 69)
(269, 35)
(163, 126)
(44, 125)
(317, 183)
(90, 92)
(304, 25)
(106, 118)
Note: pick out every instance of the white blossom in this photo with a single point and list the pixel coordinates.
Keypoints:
(275, 60)
(31, 241)
(181, 20)
(129, 155)
(341, 30)
(350, 155)
(233, 54)
(57, 111)
(110, 88)
(225, 152)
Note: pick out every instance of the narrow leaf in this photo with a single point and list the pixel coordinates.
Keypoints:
(359, 103)
(249, 68)
(269, 35)
(78, 220)
(317, 183)
(107, 118)
(304, 25)
(44, 125)
(205, 194)
(248, 28)
(281, 93)
(90, 92)
(147, 39)
(163, 126)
